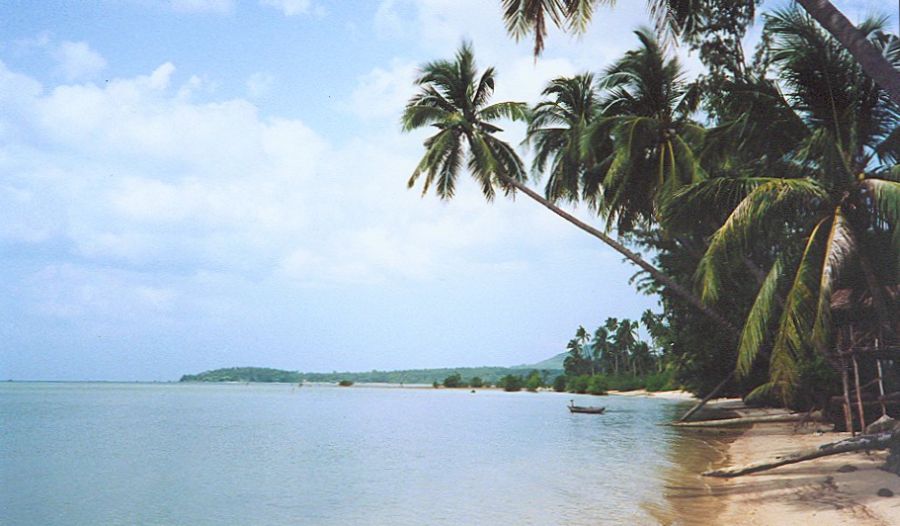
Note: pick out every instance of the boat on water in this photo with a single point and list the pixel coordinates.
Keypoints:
(585, 409)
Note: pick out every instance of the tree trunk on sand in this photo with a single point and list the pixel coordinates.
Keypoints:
(873, 63)
(860, 443)
(727, 422)
(707, 398)
(657, 274)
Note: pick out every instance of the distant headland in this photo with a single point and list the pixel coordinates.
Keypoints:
(550, 367)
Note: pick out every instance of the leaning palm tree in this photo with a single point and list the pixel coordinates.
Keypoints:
(453, 98)
(524, 17)
(832, 219)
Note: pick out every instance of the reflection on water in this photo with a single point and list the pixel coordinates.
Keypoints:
(690, 498)
(275, 455)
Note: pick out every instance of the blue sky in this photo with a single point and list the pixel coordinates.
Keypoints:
(192, 184)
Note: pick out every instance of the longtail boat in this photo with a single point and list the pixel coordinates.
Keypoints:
(585, 409)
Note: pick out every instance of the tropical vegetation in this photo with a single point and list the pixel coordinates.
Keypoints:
(760, 187)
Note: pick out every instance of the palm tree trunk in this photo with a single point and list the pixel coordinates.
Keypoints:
(657, 274)
(872, 62)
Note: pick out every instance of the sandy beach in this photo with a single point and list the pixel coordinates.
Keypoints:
(824, 492)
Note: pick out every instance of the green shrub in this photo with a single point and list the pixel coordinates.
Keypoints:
(454, 380)
(597, 385)
(534, 381)
(345, 383)
(662, 381)
(625, 383)
(476, 382)
(559, 385)
(511, 383)
(578, 384)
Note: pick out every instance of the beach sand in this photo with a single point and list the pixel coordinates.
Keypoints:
(668, 395)
(812, 492)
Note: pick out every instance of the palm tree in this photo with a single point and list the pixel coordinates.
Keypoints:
(574, 363)
(555, 130)
(454, 99)
(831, 217)
(624, 339)
(582, 337)
(600, 349)
(647, 111)
(523, 17)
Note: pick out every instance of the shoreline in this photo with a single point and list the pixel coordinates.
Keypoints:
(824, 490)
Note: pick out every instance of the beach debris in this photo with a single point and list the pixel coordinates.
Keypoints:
(847, 468)
(857, 443)
(882, 425)
(815, 416)
(884, 492)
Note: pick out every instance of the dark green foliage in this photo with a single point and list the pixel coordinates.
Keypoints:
(559, 384)
(476, 381)
(454, 380)
(662, 381)
(578, 384)
(534, 381)
(511, 383)
(345, 383)
(245, 374)
(597, 385)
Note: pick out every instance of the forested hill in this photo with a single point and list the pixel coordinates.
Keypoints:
(409, 376)
(244, 374)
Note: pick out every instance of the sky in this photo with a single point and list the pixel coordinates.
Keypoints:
(194, 184)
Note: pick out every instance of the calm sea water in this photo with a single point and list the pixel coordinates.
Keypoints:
(195, 454)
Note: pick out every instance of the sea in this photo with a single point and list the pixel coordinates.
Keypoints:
(282, 454)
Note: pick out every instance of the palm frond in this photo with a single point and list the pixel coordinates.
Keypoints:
(759, 320)
(886, 199)
(765, 207)
(515, 111)
(839, 247)
(797, 317)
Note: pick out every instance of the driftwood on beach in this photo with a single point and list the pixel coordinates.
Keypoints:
(879, 441)
(758, 419)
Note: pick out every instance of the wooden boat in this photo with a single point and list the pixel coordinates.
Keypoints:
(585, 409)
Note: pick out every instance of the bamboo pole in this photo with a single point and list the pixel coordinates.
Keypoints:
(880, 382)
(848, 411)
(859, 404)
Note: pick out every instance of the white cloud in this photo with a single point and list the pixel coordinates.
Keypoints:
(383, 92)
(289, 7)
(203, 6)
(77, 60)
(134, 174)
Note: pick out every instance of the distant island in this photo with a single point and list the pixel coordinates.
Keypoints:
(550, 367)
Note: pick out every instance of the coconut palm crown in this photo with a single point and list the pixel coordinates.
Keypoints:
(453, 98)
(646, 116)
(555, 130)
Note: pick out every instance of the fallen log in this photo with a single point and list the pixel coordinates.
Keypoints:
(696, 407)
(727, 422)
(859, 443)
